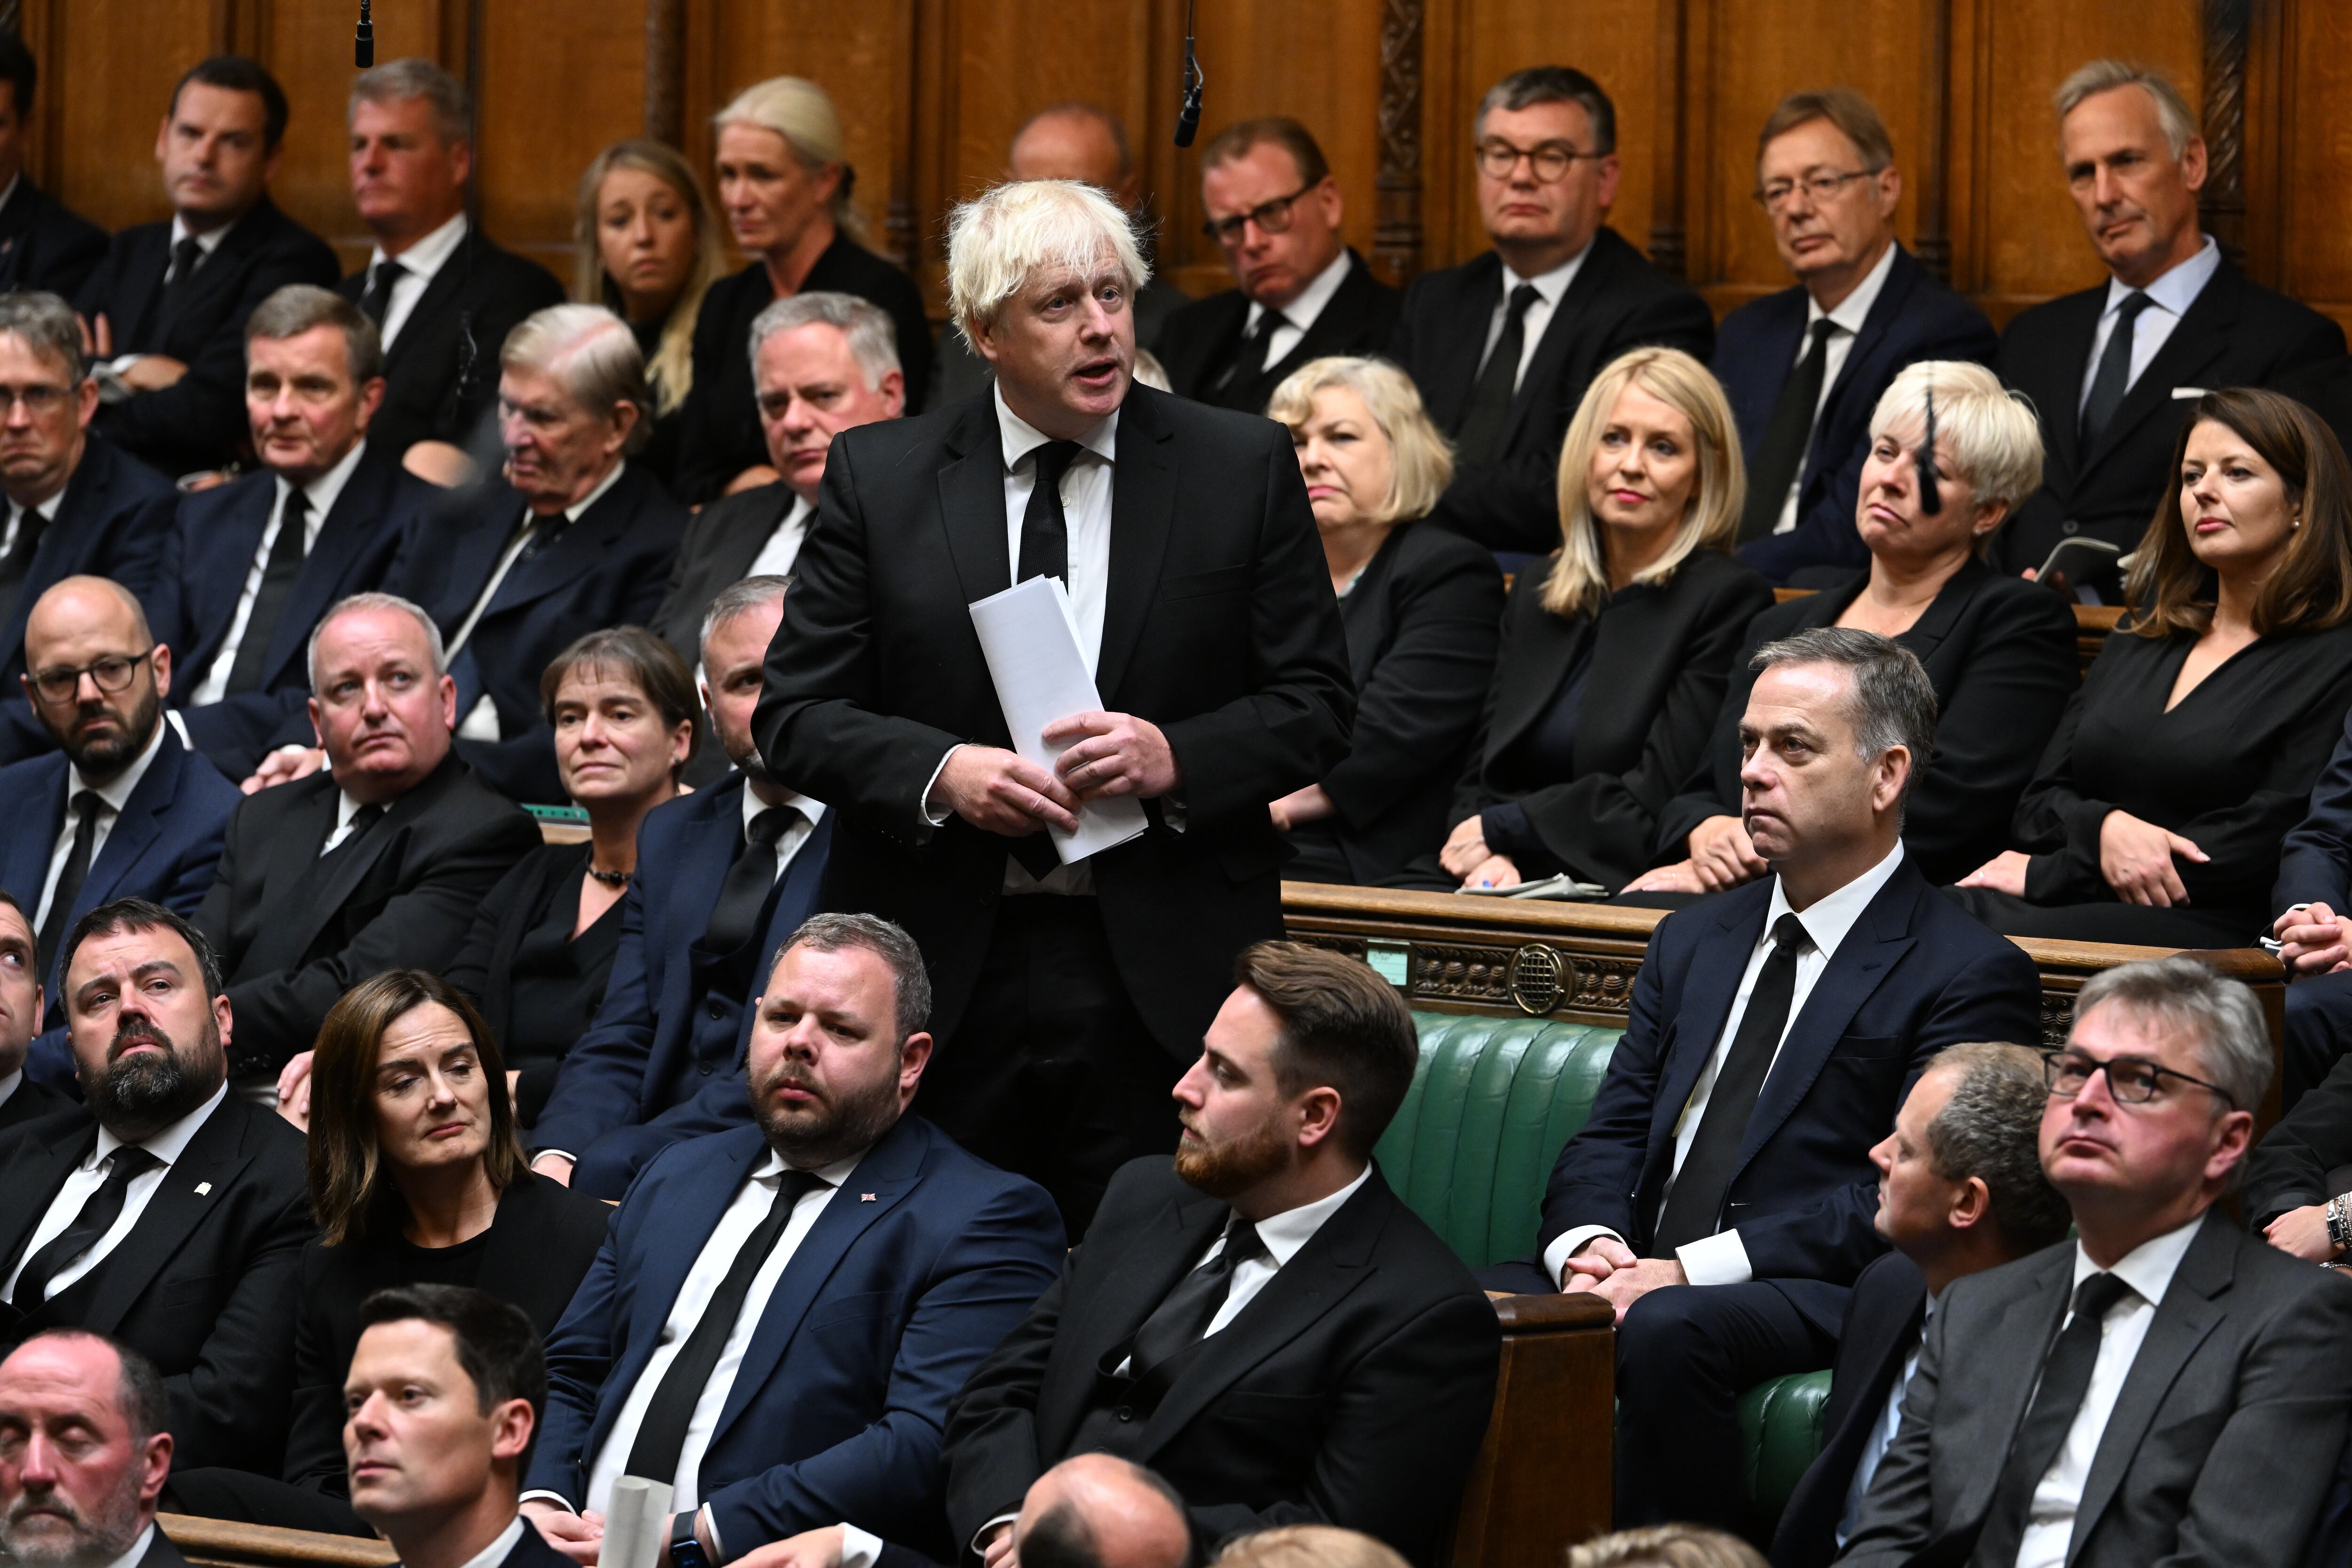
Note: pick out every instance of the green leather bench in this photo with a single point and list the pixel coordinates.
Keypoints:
(1492, 1105)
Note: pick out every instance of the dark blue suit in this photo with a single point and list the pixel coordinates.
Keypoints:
(2315, 867)
(214, 539)
(921, 1263)
(664, 1059)
(1913, 318)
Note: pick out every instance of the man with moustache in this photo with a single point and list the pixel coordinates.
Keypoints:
(21, 1099)
(782, 1313)
(163, 1211)
(85, 1449)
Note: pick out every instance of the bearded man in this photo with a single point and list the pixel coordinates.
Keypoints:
(84, 1451)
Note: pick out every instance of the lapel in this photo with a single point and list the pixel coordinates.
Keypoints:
(1713, 979)
(213, 1159)
(2003, 1368)
(1943, 612)
(1584, 291)
(1773, 361)
(1144, 1266)
(795, 900)
(731, 559)
(971, 502)
(1331, 330)
(474, 552)
(233, 537)
(1142, 505)
(2201, 336)
(1902, 279)
(1543, 648)
(1461, 343)
(294, 847)
(432, 305)
(575, 550)
(205, 300)
(35, 1175)
(1879, 1342)
(302, 925)
(347, 532)
(1368, 615)
(37, 818)
(2073, 327)
(137, 825)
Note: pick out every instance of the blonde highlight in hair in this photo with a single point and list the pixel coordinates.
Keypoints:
(1989, 432)
(1578, 579)
(1420, 459)
(1012, 234)
(670, 372)
(802, 112)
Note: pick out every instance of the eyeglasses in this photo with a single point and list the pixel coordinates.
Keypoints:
(2133, 1080)
(1822, 189)
(39, 399)
(111, 674)
(1273, 217)
(1551, 162)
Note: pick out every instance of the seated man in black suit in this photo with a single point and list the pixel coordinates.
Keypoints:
(21, 1007)
(44, 244)
(1091, 1510)
(1722, 1193)
(1301, 292)
(95, 1411)
(2113, 370)
(442, 296)
(165, 1211)
(1960, 1190)
(251, 565)
(1264, 1323)
(2314, 898)
(1503, 347)
(375, 861)
(166, 309)
(1805, 368)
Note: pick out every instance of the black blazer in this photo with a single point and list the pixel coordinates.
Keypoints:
(441, 374)
(484, 966)
(1659, 655)
(2290, 1168)
(202, 1285)
(1914, 975)
(294, 938)
(718, 546)
(1353, 1389)
(1882, 1329)
(199, 423)
(540, 1244)
(1617, 301)
(45, 245)
(2316, 861)
(721, 434)
(29, 1101)
(2236, 334)
(1913, 318)
(2003, 658)
(1201, 338)
(1220, 628)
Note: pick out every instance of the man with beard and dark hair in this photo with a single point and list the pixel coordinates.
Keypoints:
(85, 1448)
(165, 1212)
(781, 1313)
(1257, 1321)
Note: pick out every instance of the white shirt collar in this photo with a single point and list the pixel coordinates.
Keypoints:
(47, 509)
(321, 491)
(2148, 1267)
(8, 1085)
(1834, 914)
(14, 181)
(832, 1175)
(572, 513)
(118, 794)
(1551, 285)
(170, 1143)
(1021, 437)
(753, 805)
(347, 808)
(424, 259)
(1854, 309)
(207, 242)
(1284, 1234)
(1302, 311)
(2176, 290)
(493, 1555)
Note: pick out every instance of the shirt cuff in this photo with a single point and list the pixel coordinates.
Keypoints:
(980, 1536)
(932, 814)
(538, 1154)
(859, 1549)
(1171, 811)
(1718, 1259)
(708, 1523)
(1564, 1246)
(558, 1498)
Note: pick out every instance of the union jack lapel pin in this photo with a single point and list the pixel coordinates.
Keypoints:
(865, 1197)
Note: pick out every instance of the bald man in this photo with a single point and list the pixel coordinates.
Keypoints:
(122, 808)
(85, 1450)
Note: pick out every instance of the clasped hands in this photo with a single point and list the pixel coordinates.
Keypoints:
(2314, 940)
(2135, 859)
(1108, 755)
(1606, 1267)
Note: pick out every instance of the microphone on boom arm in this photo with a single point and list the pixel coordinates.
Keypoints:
(1188, 118)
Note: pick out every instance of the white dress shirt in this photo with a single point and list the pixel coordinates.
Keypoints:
(207, 243)
(85, 1178)
(1722, 1259)
(138, 1552)
(1550, 287)
(9, 1084)
(322, 493)
(2147, 1268)
(1882, 1434)
(783, 547)
(346, 808)
(418, 263)
(2168, 299)
(1300, 315)
(482, 723)
(1847, 318)
(47, 509)
(493, 1555)
(112, 796)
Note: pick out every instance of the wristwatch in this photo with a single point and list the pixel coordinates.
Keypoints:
(685, 1550)
(2339, 1222)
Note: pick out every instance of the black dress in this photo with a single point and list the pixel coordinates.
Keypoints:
(658, 456)
(2229, 768)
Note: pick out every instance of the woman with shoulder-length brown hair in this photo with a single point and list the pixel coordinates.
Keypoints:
(2161, 803)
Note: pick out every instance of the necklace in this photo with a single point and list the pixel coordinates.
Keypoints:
(610, 878)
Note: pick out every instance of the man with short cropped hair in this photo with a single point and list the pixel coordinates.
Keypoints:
(85, 1450)
(1091, 1510)
(44, 244)
(21, 994)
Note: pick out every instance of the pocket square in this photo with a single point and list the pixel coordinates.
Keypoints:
(2187, 392)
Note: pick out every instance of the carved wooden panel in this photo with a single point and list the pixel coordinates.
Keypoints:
(556, 83)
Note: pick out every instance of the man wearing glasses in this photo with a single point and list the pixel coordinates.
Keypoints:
(1503, 346)
(1804, 368)
(1301, 292)
(2165, 1388)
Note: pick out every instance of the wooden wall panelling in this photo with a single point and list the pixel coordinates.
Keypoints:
(106, 71)
(2312, 159)
(556, 83)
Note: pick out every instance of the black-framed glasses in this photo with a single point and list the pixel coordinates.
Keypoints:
(2133, 1080)
(111, 673)
(40, 399)
(1551, 162)
(1273, 217)
(1821, 188)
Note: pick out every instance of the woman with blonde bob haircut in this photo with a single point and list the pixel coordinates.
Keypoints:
(1420, 607)
(1306, 1546)
(1615, 652)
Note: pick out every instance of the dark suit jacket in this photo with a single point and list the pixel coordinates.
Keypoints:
(622, 1071)
(1882, 1329)
(29, 1101)
(161, 1553)
(402, 898)
(541, 1245)
(484, 966)
(1913, 318)
(436, 388)
(2000, 654)
(1914, 975)
(2236, 334)
(1659, 656)
(2316, 861)
(214, 540)
(1617, 301)
(922, 1261)
(45, 245)
(2290, 1168)
(198, 423)
(1201, 339)
(1294, 1413)
(1220, 628)
(204, 1284)
(2222, 1443)
(720, 428)
(720, 544)
(605, 570)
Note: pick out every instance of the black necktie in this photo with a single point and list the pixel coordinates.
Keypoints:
(735, 918)
(2113, 378)
(278, 576)
(2065, 1377)
(363, 819)
(186, 257)
(1045, 532)
(85, 807)
(1694, 1207)
(16, 566)
(98, 1216)
(1489, 409)
(377, 300)
(1250, 359)
(1781, 455)
(1180, 1320)
(661, 1436)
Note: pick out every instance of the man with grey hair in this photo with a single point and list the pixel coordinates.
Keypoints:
(1199, 606)
(85, 1452)
(2169, 1388)
(1722, 1193)
(2105, 367)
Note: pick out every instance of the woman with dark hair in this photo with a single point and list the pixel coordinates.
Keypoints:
(2158, 809)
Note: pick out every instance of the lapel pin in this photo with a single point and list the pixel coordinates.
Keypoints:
(865, 1197)
(203, 1189)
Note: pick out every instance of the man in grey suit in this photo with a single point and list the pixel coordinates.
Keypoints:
(2165, 1387)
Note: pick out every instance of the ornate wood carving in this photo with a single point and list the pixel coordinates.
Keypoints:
(666, 70)
(2222, 202)
(1397, 239)
(1669, 236)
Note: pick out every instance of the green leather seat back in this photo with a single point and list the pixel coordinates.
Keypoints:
(1781, 1424)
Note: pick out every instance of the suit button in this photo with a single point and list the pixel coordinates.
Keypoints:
(2070, 527)
(704, 1070)
(717, 1011)
(1125, 1413)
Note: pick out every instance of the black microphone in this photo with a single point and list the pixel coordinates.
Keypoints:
(363, 44)
(1188, 118)
(1931, 499)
